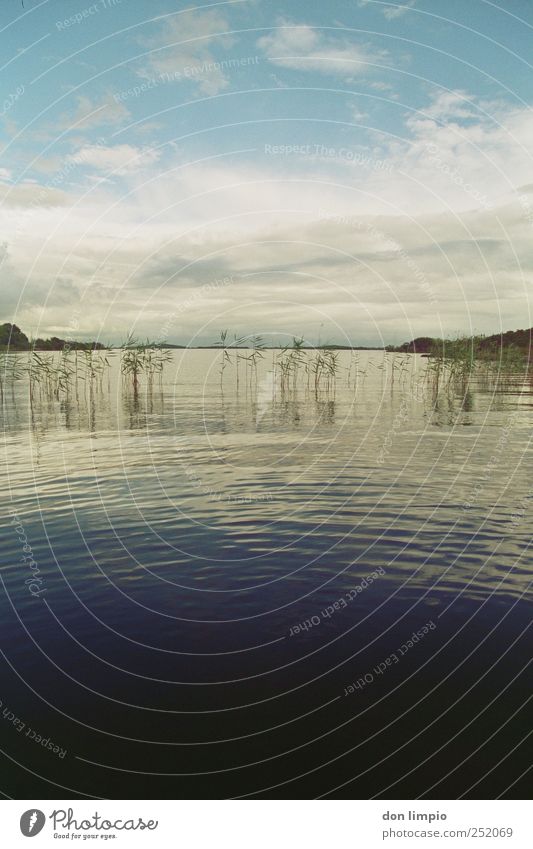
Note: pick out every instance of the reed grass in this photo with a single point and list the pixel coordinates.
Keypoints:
(139, 359)
(456, 365)
(12, 369)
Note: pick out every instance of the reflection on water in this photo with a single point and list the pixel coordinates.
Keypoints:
(182, 529)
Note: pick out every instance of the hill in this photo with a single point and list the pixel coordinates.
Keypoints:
(520, 340)
(13, 339)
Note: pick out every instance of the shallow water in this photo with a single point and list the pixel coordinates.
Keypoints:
(181, 536)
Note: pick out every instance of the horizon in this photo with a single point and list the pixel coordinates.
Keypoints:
(267, 344)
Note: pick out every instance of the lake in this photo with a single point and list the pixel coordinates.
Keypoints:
(252, 585)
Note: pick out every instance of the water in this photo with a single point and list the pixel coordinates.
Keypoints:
(225, 583)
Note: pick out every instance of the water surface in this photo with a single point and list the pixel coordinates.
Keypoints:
(220, 565)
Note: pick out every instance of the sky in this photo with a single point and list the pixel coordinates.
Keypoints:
(356, 171)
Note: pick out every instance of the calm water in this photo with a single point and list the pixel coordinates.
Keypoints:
(180, 537)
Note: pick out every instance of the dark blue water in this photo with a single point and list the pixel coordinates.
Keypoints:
(221, 585)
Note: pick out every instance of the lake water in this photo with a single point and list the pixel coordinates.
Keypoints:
(226, 580)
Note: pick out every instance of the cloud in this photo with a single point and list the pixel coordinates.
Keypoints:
(284, 277)
(392, 11)
(304, 48)
(454, 104)
(183, 48)
(442, 238)
(119, 159)
(463, 152)
(89, 113)
(358, 115)
(31, 195)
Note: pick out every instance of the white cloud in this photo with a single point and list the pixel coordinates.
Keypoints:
(183, 47)
(87, 114)
(28, 194)
(454, 104)
(304, 48)
(343, 240)
(358, 115)
(392, 11)
(118, 159)
(459, 151)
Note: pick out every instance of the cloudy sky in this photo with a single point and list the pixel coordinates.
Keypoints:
(355, 171)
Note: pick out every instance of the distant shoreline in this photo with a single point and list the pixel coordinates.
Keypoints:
(13, 340)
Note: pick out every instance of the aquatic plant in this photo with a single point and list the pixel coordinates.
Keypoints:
(225, 357)
(453, 365)
(254, 357)
(12, 368)
(154, 360)
(3, 363)
(41, 374)
(238, 342)
(352, 364)
(142, 358)
(331, 367)
(324, 368)
(290, 362)
(62, 373)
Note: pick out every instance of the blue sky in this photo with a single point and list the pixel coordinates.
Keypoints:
(360, 169)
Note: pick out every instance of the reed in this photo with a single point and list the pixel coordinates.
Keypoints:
(41, 374)
(255, 357)
(3, 373)
(12, 369)
(454, 365)
(238, 342)
(324, 369)
(225, 358)
(284, 367)
(62, 374)
(145, 358)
